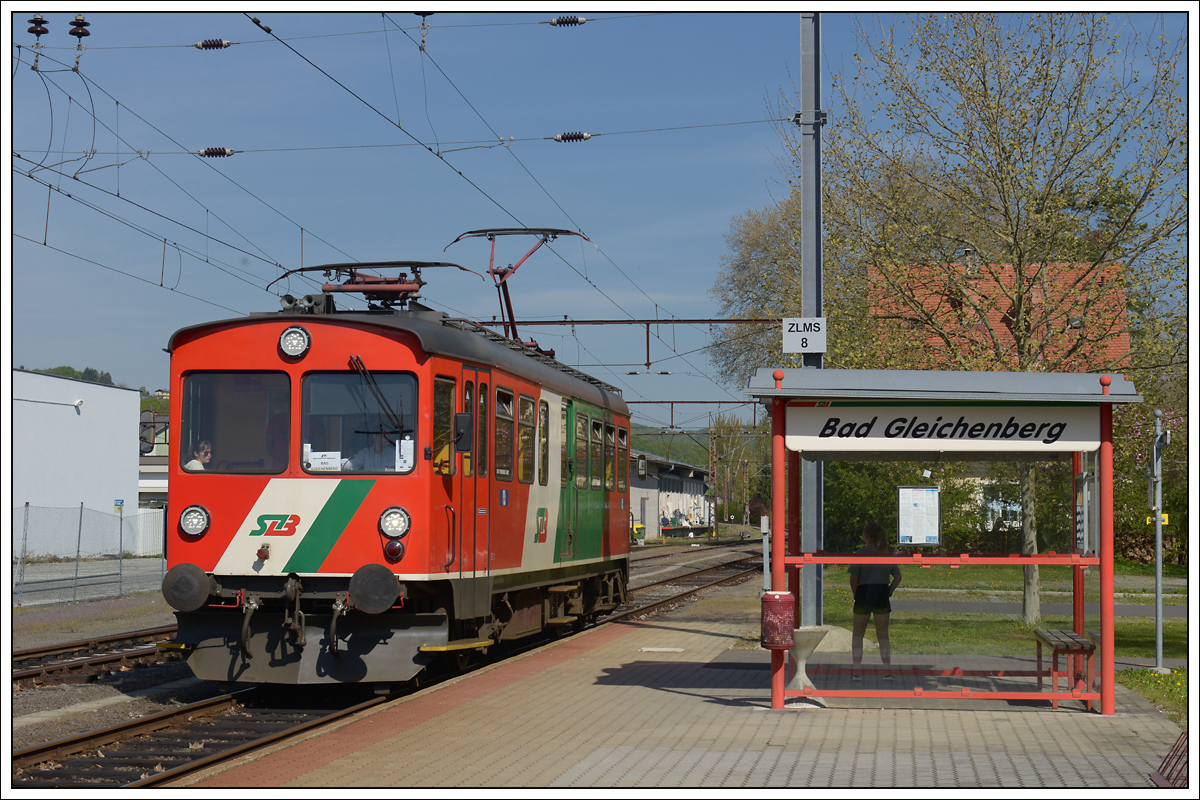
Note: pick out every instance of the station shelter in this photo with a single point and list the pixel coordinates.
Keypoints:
(898, 415)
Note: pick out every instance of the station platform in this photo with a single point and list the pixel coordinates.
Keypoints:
(666, 703)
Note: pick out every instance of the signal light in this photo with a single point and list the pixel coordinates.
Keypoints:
(394, 550)
(195, 520)
(295, 341)
(394, 523)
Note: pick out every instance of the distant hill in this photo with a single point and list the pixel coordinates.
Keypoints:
(88, 374)
(690, 448)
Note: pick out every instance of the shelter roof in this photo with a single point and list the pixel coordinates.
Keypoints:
(941, 385)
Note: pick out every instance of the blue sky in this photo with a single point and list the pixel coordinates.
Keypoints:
(656, 203)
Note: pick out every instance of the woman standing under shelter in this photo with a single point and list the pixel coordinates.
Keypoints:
(872, 586)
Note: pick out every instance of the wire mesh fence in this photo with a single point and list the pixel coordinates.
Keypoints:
(67, 554)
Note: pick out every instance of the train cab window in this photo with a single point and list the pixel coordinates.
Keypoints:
(597, 454)
(481, 441)
(526, 422)
(358, 422)
(444, 398)
(622, 458)
(543, 432)
(581, 452)
(610, 458)
(504, 435)
(235, 422)
(468, 407)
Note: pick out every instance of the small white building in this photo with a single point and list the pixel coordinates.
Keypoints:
(671, 490)
(73, 442)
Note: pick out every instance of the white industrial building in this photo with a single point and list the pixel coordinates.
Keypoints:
(671, 490)
(73, 442)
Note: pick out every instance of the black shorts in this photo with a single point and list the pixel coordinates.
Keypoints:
(872, 598)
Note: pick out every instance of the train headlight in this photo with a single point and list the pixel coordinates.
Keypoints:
(394, 523)
(295, 341)
(194, 520)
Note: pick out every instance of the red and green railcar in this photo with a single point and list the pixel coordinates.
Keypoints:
(354, 494)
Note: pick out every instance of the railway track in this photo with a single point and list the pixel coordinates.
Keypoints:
(155, 750)
(703, 547)
(89, 659)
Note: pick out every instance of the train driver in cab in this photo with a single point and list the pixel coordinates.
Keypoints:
(378, 456)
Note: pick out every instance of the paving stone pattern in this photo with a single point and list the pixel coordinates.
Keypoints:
(597, 711)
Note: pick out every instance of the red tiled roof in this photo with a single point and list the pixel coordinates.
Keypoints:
(1076, 314)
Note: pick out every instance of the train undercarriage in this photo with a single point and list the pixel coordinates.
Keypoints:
(370, 627)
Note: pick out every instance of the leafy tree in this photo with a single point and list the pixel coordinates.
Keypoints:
(89, 374)
(1001, 193)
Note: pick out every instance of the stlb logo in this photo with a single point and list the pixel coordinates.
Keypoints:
(276, 525)
(542, 525)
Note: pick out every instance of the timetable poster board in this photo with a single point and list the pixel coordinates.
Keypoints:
(920, 515)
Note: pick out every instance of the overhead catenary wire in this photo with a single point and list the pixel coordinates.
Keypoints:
(88, 80)
(127, 274)
(339, 34)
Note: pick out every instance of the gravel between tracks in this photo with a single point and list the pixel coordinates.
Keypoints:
(51, 624)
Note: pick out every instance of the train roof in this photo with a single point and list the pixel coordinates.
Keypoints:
(441, 334)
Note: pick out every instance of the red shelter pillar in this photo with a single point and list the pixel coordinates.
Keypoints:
(1077, 585)
(793, 512)
(1108, 673)
(778, 528)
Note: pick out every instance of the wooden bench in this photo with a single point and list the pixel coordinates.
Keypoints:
(1077, 649)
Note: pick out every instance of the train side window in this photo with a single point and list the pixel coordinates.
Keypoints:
(581, 451)
(236, 422)
(622, 458)
(443, 426)
(525, 433)
(481, 441)
(597, 455)
(504, 435)
(468, 398)
(563, 433)
(543, 428)
(610, 458)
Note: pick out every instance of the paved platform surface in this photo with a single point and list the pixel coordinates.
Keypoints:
(666, 704)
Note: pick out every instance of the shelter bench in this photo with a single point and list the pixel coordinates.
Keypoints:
(1076, 649)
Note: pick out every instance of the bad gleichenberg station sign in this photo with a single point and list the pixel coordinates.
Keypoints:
(936, 427)
(836, 414)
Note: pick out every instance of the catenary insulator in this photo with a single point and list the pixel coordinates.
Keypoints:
(212, 44)
(567, 22)
(572, 137)
(81, 28)
(215, 152)
(38, 28)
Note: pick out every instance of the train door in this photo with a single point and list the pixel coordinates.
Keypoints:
(576, 458)
(474, 540)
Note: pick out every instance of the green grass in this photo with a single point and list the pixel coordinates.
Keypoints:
(1005, 578)
(1168, 692)
(993, 634)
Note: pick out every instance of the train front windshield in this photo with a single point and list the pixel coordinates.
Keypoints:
(356, 422)
(235, 422)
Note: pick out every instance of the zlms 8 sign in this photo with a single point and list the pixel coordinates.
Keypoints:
(847, 426)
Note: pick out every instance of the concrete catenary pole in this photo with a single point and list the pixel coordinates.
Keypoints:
(812, 473)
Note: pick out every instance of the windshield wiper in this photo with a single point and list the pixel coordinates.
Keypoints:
(364, 374)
